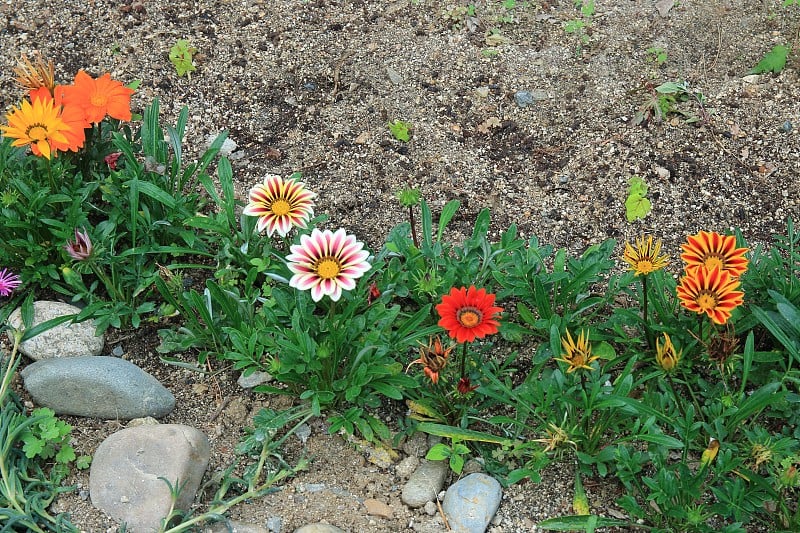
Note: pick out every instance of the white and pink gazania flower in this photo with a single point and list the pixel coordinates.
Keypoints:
(326, 263)
(280, 204)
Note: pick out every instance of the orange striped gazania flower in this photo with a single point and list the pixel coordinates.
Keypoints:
(712, 292)
(99, 97)
(468, 314)
(37, 123)
(712, 250)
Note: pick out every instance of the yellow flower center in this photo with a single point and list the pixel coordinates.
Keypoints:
(469, 317)
(99, 100)
(713, 261)
(644, 267)
(328, 267)
(280, 207)
(37, 132)
(706, 301)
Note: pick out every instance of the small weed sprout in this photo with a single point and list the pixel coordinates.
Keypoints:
(180, 55)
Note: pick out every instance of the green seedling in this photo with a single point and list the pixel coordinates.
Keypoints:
(657, 55)
(773, 61)
(400, 130)
(180, 56)
(637, 206)
(455, 454)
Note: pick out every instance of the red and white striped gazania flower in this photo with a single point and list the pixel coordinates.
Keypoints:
(280, 204)
(327, 263)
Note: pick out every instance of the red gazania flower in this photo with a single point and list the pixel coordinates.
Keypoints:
(468, 314)
(712, 292)
(712, 250)
(99, 97)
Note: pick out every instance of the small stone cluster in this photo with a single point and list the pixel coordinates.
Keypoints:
(70, 377)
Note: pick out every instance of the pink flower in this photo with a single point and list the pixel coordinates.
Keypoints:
(81, 248)
(280, 204)
(326, 263)
(8, 282)
(111, 160)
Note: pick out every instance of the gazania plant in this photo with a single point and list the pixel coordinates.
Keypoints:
(677, 388)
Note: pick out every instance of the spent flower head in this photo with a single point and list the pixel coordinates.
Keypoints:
(711, 250)
(280, 204)
(408, 197)
(468, 314)
(433, 358)
(713, 292)
(327, 263)
(33, 75)
(8, 282)
(645, 257)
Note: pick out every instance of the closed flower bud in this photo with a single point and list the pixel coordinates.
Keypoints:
(666, 355)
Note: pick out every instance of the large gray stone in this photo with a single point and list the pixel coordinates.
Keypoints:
(96, 386)
(425, 483)
(64, 340)
(124, 477)
(318, 527)
(471, 502)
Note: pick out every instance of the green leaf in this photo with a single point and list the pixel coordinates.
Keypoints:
(636, 207)
(773, 61)
(460, 434)
(456, 463)
(447, 215)
(580, 522)
(400, 130)
(637, 186)
(438, 452)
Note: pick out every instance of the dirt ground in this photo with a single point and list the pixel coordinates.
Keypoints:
(310, 86)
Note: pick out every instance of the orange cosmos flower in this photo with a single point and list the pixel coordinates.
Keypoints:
(37, 123)
(432, 357)
(99, 97)
(468, 314)
(712, 250)
(712, 292)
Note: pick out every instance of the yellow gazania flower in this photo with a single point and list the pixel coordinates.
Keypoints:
(666, 355)
(712, 250)
(645, 257)
(38, 124)
(32, 76)
(577, 354)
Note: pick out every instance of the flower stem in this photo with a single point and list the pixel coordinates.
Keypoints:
(112, 289)
(413, 228)
(647, 331)
(464, 360)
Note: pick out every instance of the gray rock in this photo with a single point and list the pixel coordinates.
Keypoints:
(406, 467)
(234, 526)
(318, 527)
(471, 502)
(274, 524)
(64, 340)
(425, 483)
(256, 378)
(97, 386)
(528, 98)
(124, 477)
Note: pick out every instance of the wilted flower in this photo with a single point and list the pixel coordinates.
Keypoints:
(468, 314)
(280, 204)
(465, 386)
(37, 123)
(31, 76)
(326, 262)
(374, 293)
(712, 292)
(712, 250)
(8, 282)
(645, 257)
(81, 248)
(666, 355)
(433, 358)
(577, 354)
(98, 97)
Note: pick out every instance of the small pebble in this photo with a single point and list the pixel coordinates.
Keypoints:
(787, 126)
